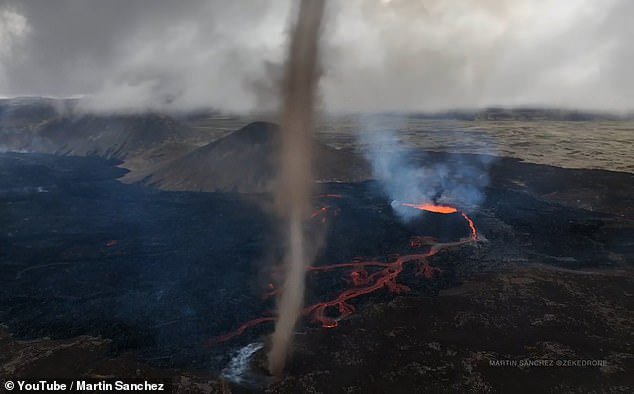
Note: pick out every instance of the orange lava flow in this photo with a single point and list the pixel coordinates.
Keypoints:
(238, 331)
(324, 212)
(474, 231)
(446, 209)
(366, 284)
(385, 274)
(433, 208)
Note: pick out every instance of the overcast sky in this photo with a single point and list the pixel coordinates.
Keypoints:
(377, 54)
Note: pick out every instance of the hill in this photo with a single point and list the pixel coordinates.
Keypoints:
(245, 161)
(112, 136)
(36, 124)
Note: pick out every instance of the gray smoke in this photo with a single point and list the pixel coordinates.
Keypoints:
(413, 176)
(404, 55)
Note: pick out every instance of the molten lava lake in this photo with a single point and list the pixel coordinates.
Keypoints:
(166, 274)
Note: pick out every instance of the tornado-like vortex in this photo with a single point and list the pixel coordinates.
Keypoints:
(298, 90)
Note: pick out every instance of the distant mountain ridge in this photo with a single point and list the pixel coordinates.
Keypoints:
(32, 108)
(172, 153)
(18, 112)
(162, 151)
(523, 114)
(54, 126)
(113, 136)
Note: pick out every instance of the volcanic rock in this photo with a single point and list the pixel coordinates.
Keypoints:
(124, 279)
(245, 161)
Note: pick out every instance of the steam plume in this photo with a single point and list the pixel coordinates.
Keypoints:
(407, 176)
(298, 97)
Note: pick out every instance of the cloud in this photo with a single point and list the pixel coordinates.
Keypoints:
(13, 30)
(378, 55)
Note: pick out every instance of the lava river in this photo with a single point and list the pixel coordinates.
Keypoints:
(367, 276)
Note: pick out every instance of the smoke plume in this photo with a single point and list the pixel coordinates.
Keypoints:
(298, 98)
(409, 176)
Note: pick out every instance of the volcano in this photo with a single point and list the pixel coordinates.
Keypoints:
(245, 162)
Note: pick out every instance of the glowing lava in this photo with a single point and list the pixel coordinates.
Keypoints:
(433, 208)
(324, 212)
(446, 209)
(239, 331)
(368, 276)
(474, 231)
